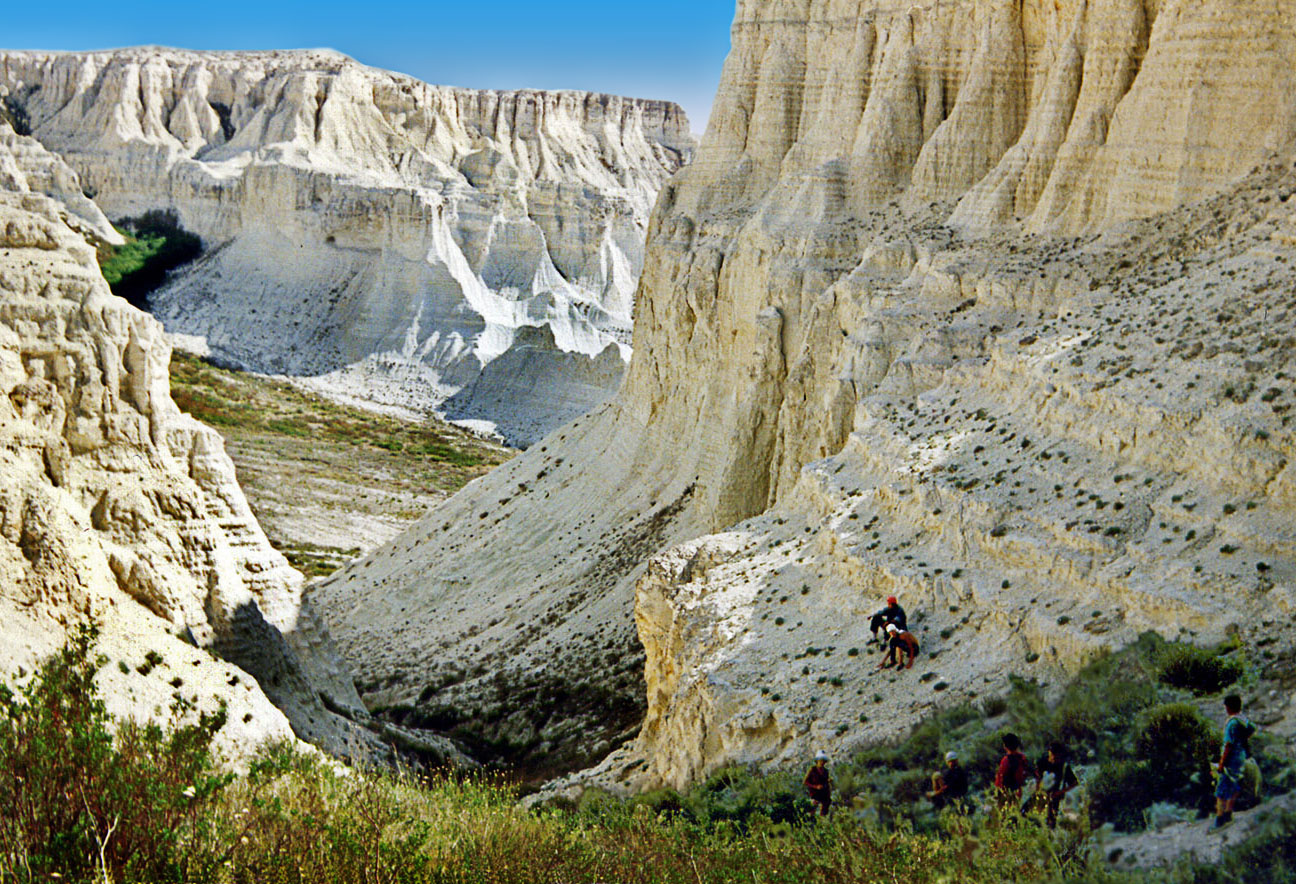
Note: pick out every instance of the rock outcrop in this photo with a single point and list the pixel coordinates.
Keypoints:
(118, 508)
(384, 238)
(985, 304)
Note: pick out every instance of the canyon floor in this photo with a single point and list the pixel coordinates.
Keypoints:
(328, 482)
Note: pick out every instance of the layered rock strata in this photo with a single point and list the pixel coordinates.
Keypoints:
(903, 314)
(117, 508)
(384, 238)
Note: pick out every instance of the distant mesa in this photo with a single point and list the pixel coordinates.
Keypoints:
(383, 238)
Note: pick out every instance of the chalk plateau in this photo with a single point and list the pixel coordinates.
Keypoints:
(379, 238)
(985, 304)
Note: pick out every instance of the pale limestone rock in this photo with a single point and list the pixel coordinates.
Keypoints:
(117, 507)
(899, 330)
(384, 238)
(27, 166)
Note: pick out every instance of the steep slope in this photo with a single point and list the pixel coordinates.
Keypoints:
(900, 303)
(117, 507)
(380, 236)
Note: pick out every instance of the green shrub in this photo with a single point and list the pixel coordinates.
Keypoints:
(1119, 793)
(75, 799)
(1178, 744)
(1197, 669)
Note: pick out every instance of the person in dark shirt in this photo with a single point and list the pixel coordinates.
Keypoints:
(902, 643)
(1054, 778)
(818, 783)
(892, 613)
(949, 786)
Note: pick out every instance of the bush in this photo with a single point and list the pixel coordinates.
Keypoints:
(1119, 793)
(1197, 669)
(74, 799)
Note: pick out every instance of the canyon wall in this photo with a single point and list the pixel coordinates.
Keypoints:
(380, 238)
(986, 304)
(118, 508)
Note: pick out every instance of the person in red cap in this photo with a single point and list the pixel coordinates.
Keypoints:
(891, 614)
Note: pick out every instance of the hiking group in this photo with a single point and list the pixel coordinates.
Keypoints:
(1053, 774)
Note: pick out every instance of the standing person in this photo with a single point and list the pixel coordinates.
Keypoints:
(818, 783)
(1237, 740)
(902, 642)
(892, 613)
(1055, 778)
(1014, 770)
(949, 786)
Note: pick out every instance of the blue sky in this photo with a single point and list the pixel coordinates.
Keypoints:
(669, 49)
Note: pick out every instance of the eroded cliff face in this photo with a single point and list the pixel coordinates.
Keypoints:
(118, 508)
(901, 314)
(384, 238)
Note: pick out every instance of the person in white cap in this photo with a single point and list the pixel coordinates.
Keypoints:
(949, 785)
(902, 642)
(818, 783)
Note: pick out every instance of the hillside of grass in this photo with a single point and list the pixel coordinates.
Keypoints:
(155, 245)
(84, 798)
(327, 481)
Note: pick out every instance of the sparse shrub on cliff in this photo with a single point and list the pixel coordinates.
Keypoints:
(1199, 670)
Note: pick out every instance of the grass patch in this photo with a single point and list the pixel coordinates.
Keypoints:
(155, 245)
(234, 400)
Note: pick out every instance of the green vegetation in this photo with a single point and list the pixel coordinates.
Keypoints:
(1137, 739)
(1199, 670)
(155, 245)
(84, 798)
(229, 399)
(331, 455)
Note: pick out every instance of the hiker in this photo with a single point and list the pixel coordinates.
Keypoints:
(1237, 743)
(892, 613)
(949, 786)
(819, 784)
(902, 642)
(1054, 778)
(1014, 770)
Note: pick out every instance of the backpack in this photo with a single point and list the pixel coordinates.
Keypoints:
(1245, 731)
(1018, 771)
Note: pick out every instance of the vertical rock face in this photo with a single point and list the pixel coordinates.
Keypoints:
(905, 316)
(383, 237)
(117, 507)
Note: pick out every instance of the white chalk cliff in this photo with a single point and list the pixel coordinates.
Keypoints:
(118, 508)
(383, 238)
(983, 303)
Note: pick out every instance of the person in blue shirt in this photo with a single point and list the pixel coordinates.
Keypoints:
(1237, 735)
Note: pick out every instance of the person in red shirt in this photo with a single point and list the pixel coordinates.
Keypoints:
(902, 642)
(818, 783)
(1014, 770)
